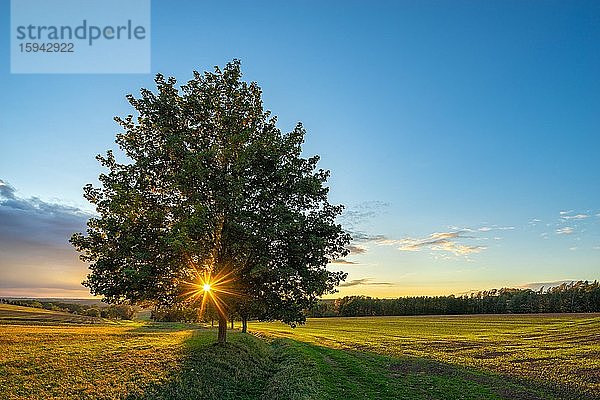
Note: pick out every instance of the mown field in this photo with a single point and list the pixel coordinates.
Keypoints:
(560, 352)
(58, 358)
(23, 315)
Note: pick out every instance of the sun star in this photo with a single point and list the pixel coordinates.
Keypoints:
(207, 287)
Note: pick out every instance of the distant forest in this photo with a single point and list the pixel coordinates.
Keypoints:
(115, 311)
(573, 297)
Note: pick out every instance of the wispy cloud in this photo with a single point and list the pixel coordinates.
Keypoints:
(437, 241)
(496, 228)
(355, 221)
(567, 230)
(576, 216)
(361, 213)
(365, 282)
(538, 285)
(356, 249)
(341, 261)
(353, 249)
(362, 237)
(482, 228)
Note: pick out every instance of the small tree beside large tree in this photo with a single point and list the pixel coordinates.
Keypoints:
(214, 202)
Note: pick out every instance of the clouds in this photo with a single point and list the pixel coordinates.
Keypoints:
(572, 229)
(34, 248)
(6, 191)
(354, 219)
(362, 213)
(462, 242)
(356, 249)
(35, 221)
(457, 241)
(567, 230)
(341, 261)
(538, 285)
(437, 241)
(570, 222)
(576, 216)
(483, 228)
(353, 249)
(364, 282)
(362, 237)
(450, 242)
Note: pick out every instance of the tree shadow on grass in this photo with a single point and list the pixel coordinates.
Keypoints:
(502, 386)
(249, 368)
(350, 374)
(244, 368)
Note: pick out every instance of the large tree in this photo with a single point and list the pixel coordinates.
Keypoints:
(211, 193)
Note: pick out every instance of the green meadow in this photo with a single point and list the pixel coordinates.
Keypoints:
(49, 355)
(556, 351)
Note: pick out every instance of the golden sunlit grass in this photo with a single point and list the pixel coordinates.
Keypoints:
(561, 350)
(102, 361)
(135, 361)
(20, 314)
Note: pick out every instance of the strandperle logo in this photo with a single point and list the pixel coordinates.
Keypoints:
(74, 36)
(84, 31)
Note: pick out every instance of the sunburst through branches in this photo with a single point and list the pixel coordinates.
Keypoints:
(208, 287)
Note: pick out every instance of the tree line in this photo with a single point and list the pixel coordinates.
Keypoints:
(115, 311)
(573, 297)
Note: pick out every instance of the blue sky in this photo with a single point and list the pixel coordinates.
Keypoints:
(456, 132)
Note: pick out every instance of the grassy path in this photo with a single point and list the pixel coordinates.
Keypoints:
(250, 368)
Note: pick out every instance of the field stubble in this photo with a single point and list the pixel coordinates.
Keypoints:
(49, 355)
(79, 362)
(557, 351)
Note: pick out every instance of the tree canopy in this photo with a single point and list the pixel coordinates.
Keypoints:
(211, 189)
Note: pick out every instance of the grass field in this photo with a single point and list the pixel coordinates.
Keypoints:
(140, 360)
(560, 352)
(18, 314)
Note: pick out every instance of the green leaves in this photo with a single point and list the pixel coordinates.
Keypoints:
(211, 182)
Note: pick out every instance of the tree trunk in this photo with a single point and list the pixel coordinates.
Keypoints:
(212, 322)
(231, 322)
(244, 324)
(222, 329)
